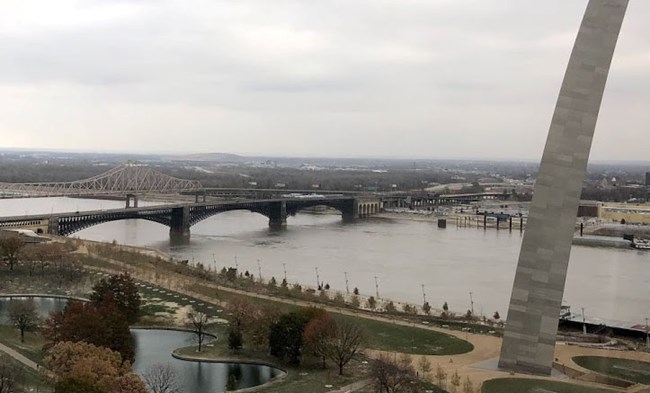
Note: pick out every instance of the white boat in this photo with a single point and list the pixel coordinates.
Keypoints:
(641, 244)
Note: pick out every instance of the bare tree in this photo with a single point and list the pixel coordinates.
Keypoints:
(391, 376)
(30, 256)
(424, 365)
(23, 315)
(10, 248)
(199, 322)
(10, 376)
(161, 378)
(57, 257)
(346, 344)
(468, 387)
(405, 361)
(455, 381)
(441, 377)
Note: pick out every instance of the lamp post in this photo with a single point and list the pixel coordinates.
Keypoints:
(347, 288)
(284, 266)
(584, 324)
(647, 337)
(259, 270)
(317, 278)
(424, 295)
(471, 302)
(376, 287)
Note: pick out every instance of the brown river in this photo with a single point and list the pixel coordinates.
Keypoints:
(612, 285)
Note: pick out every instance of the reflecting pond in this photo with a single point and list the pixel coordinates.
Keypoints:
(155, 346)
(44, 306)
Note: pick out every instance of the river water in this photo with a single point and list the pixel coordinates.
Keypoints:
(612, 285)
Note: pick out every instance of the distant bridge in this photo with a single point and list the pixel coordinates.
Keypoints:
(411, 199)
(180, 217)
(415, 199)
(130, 178)
(270, 193)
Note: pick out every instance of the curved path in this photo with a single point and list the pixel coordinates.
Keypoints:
(486, 348)
(22, 359)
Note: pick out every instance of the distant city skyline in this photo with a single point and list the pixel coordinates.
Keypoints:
(343, 79)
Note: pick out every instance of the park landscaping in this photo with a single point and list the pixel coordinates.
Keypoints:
(517, 385)
(25, 375)
(170, 293)
(627, 369)
(405, 339)
(32, 348)
(381, 335)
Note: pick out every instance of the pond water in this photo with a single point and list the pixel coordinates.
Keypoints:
(154, 346)
(44, 306)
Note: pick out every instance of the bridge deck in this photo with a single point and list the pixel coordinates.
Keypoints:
(170, 206)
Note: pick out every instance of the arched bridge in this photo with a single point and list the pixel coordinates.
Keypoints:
(180, 217)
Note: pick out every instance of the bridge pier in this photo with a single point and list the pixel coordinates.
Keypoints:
(278, 214)
(130, 197)
(350, 210)
(180, 222)
(53, 226)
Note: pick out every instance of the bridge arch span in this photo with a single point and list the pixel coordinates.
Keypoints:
(292, 210)
(180, 217)
(69, 225)
(201, 213)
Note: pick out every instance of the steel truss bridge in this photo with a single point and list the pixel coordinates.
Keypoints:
(179, 217)
(129, 178)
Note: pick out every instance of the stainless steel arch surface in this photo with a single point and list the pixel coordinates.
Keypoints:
(529, 339)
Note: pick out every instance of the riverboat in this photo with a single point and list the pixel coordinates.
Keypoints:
(640, 244)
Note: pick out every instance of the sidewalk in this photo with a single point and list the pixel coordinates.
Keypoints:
(22, 359)
(353, 387)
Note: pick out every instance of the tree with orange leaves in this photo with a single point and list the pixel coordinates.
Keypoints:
(86, 364)
(318, 336)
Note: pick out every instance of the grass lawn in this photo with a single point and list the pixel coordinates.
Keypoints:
(397, 338)
(309, 377)
(516, 385)
(383, 336)
(31, 349)
(31, 379)
(630, 370)
(316, 380)
(151, 294)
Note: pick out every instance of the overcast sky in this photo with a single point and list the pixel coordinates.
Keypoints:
(384, 78)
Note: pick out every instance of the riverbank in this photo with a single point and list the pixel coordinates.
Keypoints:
(485, 347)
(602, 241)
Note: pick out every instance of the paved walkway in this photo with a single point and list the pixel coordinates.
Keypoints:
(353, 387)
(485, 347)
(22, 359)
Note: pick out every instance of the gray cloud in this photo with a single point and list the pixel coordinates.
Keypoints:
(425, 78)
